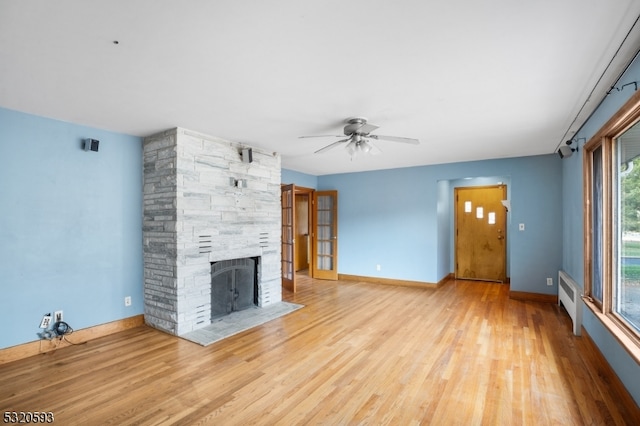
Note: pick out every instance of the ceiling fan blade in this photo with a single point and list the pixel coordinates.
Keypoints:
(358, 125)
(328, 147)
(367, 128)
(395, 139)
(321, 136)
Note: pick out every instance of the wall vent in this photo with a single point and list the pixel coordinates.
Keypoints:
(264, 239)
(204, 243)
(202, 314)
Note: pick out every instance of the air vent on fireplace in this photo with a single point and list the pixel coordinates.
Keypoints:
(264, 239)
(201, 314)
(204, 243)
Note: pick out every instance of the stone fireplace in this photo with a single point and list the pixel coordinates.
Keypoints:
(203, 205)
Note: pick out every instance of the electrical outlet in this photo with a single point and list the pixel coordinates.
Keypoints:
(127, 301)
(549, 281)
(58, 316)
(46, 321)
(378, 267)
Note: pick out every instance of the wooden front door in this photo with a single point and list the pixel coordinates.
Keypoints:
(480, 234)
(324, 238)
(288, 240)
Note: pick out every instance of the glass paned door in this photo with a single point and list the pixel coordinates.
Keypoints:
(325, 236)
(288, 240)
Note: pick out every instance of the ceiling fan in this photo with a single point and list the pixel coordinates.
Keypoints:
(358, 133)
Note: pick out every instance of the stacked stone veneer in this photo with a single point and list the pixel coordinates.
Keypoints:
(194, 215)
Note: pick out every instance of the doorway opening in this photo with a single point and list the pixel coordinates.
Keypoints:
(302, 203)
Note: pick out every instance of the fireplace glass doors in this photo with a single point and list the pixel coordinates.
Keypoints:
(233, 286)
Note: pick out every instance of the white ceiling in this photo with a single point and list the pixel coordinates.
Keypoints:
(472, 79)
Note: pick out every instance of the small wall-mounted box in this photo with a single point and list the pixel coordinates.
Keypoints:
(238, 183)
(247, 155)
(91, 144)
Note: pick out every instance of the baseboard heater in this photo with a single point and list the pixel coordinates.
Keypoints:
(569, 297)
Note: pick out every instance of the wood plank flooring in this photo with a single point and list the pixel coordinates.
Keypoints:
(358, 353)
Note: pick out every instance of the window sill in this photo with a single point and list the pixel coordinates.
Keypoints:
(629, 341)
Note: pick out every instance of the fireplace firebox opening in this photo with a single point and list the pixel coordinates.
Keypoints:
(234, 285)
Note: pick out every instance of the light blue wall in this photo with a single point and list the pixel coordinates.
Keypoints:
(393, 218)
(300, 179)
(71, 228)
(386, 218)
(573, 236)
(445, 229)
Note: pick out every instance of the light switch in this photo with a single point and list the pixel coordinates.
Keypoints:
(521, 226)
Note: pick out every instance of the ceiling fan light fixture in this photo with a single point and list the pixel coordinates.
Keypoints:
(358, 132)
(352, 148)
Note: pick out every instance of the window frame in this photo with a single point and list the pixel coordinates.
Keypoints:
(604, 310)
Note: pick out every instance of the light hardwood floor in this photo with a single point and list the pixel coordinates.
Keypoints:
(358, 353)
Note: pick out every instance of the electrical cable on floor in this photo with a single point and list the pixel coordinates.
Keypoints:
(64, 332)
(56, 335)
(70, 342)
(55, 342)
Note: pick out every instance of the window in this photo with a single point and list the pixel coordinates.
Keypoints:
(612, 225)
(625, 298)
